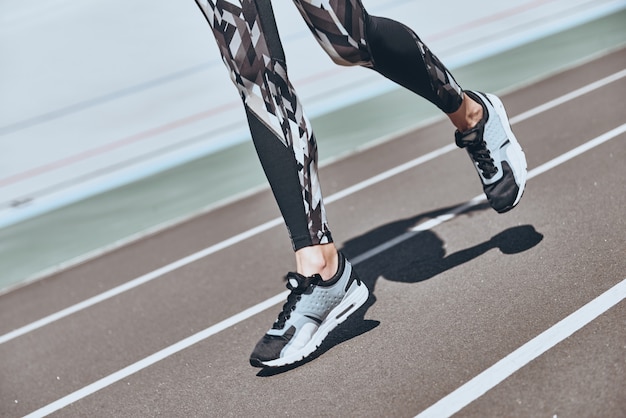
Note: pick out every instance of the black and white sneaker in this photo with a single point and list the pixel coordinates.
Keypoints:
(313, 309)
(496, 154)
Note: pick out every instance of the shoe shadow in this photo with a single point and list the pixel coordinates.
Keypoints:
(354, 326)
(423, 256)
(419, 257)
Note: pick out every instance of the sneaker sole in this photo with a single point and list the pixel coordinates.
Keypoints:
(520, 157)
(350, 304)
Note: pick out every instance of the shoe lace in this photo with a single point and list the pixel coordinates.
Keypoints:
(297, 284)
(477, 147)
(482, 156)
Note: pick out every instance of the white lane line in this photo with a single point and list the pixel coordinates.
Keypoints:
(138, 281)
(390, 173)
(487, 380)
(278, 221)
(578, 150)
(431, 223)
(158, 356)
(248, 313)
(425, 226)
(567, 97)
(212, 249)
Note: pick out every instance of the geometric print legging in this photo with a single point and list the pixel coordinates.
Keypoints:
(248, 40)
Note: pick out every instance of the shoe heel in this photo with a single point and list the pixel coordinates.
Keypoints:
(522, 173)
(354, 301)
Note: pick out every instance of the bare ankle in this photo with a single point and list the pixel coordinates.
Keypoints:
(468, 115)
(317, 259)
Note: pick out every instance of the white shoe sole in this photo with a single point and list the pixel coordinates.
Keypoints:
(518, 165)
(356, 297)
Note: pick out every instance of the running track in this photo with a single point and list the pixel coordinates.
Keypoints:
(519, 314)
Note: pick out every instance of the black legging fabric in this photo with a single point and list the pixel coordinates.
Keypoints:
(248, 40)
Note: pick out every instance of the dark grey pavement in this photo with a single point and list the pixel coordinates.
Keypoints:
(446, 303)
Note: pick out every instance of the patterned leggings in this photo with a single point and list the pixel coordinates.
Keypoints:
(248, 40)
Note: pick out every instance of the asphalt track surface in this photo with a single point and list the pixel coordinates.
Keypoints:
(470, 310)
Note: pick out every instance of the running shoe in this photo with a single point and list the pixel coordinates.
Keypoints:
(496, 154)
(313, 309)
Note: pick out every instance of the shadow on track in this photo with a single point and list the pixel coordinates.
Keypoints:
(416, 259)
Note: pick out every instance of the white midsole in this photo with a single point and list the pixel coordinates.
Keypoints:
(354, 299)
(519, 156)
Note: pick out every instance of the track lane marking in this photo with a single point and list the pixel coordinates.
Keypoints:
(545, 341)
(158, 356)
(278, 221)
(567, 97)
(494, 375)
(431, 223)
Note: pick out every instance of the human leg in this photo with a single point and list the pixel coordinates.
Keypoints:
(353, 37)
(324, 290)
(251, 49)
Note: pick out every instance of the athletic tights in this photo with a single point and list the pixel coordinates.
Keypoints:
(248, 40)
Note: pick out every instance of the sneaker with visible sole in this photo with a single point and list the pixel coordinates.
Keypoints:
(496, 154)
(313, 309)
